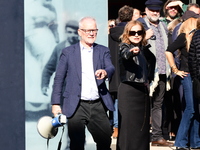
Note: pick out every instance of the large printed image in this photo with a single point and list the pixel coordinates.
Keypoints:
(51, 25)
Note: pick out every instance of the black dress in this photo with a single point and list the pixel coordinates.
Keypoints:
(133, 105)
(133, 100)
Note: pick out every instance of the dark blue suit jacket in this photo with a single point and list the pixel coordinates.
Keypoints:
(69, 69)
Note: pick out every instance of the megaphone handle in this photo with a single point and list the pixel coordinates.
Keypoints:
(59, 145)
(60, 142)
(47, 143)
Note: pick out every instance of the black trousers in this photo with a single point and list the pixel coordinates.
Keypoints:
(94, 117)
(156, 111)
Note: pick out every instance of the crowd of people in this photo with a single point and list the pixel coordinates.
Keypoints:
(151, 63)
(172, 104)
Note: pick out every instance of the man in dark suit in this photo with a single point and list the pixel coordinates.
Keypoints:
(85, 66)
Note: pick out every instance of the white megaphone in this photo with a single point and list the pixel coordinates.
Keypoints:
(48, 126)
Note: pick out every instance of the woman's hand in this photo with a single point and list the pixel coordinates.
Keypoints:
(182, 74)
(135, 50)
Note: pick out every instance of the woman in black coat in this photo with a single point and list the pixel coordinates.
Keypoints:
(194, 56)
(133, 93)
(194, 62)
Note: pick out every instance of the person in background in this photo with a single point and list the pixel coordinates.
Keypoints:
(194, 68)
(143, 14)
(40, 37)
(41, 24)
(173, 9)
(160, 83)
(72, 37)
(71, 28)
(125, 15)
(111, 24)
(193, 58)
(172, 100)
(83, 68)
(136, 14)
(188, 132)
(135, 72)
(193, 9)
(176, 92)
(170, 28)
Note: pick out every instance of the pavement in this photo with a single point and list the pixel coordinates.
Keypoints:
(35, 141)
(113, 146)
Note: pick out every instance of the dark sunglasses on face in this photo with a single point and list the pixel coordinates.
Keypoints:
(173, 7)
(133, 33)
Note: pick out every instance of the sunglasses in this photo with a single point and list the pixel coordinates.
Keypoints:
(173, 7)
(133, 33)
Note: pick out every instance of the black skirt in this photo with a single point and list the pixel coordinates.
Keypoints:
(134, 116)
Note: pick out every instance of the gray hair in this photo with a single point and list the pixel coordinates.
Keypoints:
(85, 18)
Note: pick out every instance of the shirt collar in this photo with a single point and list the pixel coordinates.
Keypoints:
(84, 48)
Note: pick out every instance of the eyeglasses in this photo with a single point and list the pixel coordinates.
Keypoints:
(88, 31)
(133, 33)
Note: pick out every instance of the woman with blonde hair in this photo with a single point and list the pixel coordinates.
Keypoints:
(135, 61)
(188, 132)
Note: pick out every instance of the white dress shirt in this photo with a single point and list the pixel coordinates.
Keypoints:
(89, 90)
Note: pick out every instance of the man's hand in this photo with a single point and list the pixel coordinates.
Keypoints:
(174, 3)
(135, 50)
(149, 34)
(56, 109)
(101, 74)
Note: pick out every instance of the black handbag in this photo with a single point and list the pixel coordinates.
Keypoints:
(196, 88)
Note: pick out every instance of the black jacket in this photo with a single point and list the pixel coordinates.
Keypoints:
(194, 56)
(136, 68)
(113, 43)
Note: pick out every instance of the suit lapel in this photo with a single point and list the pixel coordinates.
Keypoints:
(95, 57)
(77, 60)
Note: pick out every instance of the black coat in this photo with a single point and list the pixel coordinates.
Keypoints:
(194, 56)
(136, 67)
(113, 43)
